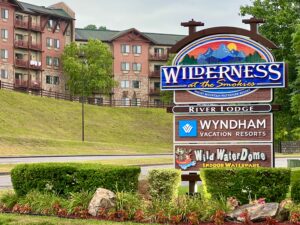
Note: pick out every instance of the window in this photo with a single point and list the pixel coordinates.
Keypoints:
(50, 24)
(4, 13)
(157, 67)
(125, 84)
(49, 61)
(49, 42)
(4, 74)
(52, 80)
(137, 49)
(56, 43)
(56, 62)
(136, 101)
(158, 51)
(136, 84)
(156, 85)
(4, 54)
(4, 33)
(57, 27)
(136, 66)
(125, 66)
(126, 101)
(125, 48)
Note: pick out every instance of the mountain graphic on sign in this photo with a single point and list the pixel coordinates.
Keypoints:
(221, 55)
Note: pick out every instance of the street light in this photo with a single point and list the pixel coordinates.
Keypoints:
(84, 61)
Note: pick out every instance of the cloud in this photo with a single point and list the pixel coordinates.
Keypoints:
(161, 16)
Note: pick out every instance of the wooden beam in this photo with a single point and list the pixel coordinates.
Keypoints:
(45, 23)
(57, 22)
(66, 28)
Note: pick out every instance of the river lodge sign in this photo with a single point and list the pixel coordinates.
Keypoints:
(218, 76)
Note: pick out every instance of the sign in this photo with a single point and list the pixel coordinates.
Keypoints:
(223, 76)
(189, 97)
(223, 68)
(194, 109)
(227, 128)
(193, 157)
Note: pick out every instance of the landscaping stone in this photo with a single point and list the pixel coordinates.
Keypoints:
(102, 198)
(256, 212)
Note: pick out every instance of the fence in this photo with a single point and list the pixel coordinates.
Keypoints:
(90, 100)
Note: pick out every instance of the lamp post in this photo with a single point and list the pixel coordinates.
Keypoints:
(84, 61)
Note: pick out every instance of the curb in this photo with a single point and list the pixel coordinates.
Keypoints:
(63, 156)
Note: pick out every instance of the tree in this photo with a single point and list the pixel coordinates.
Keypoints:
(296, 84)
(102, 28)
(167, 96)
(91, 73)
(91, 27)
(281, 20)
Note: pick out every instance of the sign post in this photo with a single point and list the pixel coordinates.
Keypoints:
(223, 79)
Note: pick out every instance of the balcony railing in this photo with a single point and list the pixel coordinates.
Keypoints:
(21, 83)
(35, 46)
(35, 65)
(21, 23)
(159, 57)
(155, 74)
(21, 44)
(35, 85)
(21, 63)
(35, 27)
(154, 91)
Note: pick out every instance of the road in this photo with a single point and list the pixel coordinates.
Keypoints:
(5, 182)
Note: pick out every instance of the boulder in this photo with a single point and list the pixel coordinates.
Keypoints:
(102, 198)
(256, 212)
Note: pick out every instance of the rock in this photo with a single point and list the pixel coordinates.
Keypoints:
(102, 198)
(257, 212)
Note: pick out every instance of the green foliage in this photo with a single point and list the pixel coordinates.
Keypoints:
(88, 68)
(130, 202)
(281, 21)
(295, 175)
(91, 27)
(64, 178)
(9, 199)
(167, 96)
(79, 199)
(295, 191)
(164, 183)
(246, 183)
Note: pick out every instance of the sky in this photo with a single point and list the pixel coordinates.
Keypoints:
(158, 16)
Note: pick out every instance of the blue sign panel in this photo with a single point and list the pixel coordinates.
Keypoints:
(223, 76)
(188, 128)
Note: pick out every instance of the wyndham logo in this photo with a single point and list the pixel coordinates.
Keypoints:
(188, 128)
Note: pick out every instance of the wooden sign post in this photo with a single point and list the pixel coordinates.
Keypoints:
(223, 79)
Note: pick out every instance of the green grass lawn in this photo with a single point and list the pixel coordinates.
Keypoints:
(32, 125)
(15, 219)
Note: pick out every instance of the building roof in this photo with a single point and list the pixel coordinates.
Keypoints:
(109, 35)
(29, 8)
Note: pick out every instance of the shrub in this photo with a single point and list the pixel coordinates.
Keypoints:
(9, 199)
(129, 202)
(295, 191)
(64, 178)
(164, 183)
(295, 175)
(245, 183)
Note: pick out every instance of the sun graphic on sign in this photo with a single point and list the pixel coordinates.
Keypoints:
(231, 46)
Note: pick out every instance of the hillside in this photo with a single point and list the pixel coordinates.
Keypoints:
(32, 125)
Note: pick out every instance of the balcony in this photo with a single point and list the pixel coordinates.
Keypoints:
(21, 63)
(35, 27)
(21, 24)
(37, 47)
(35, 65)
(154, 91)
(20, 83)
(21, 44)
(155, 74)
(158, 57)
(36, 85)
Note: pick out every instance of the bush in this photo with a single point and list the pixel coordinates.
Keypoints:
(164, 183)
(64, 178)
(246, 183)
(295, 191)
(295, 175)
(9, 199)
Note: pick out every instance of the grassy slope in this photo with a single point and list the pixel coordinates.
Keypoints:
(33, 125)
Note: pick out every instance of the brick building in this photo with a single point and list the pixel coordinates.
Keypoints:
(137, 60)
(32, 40)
